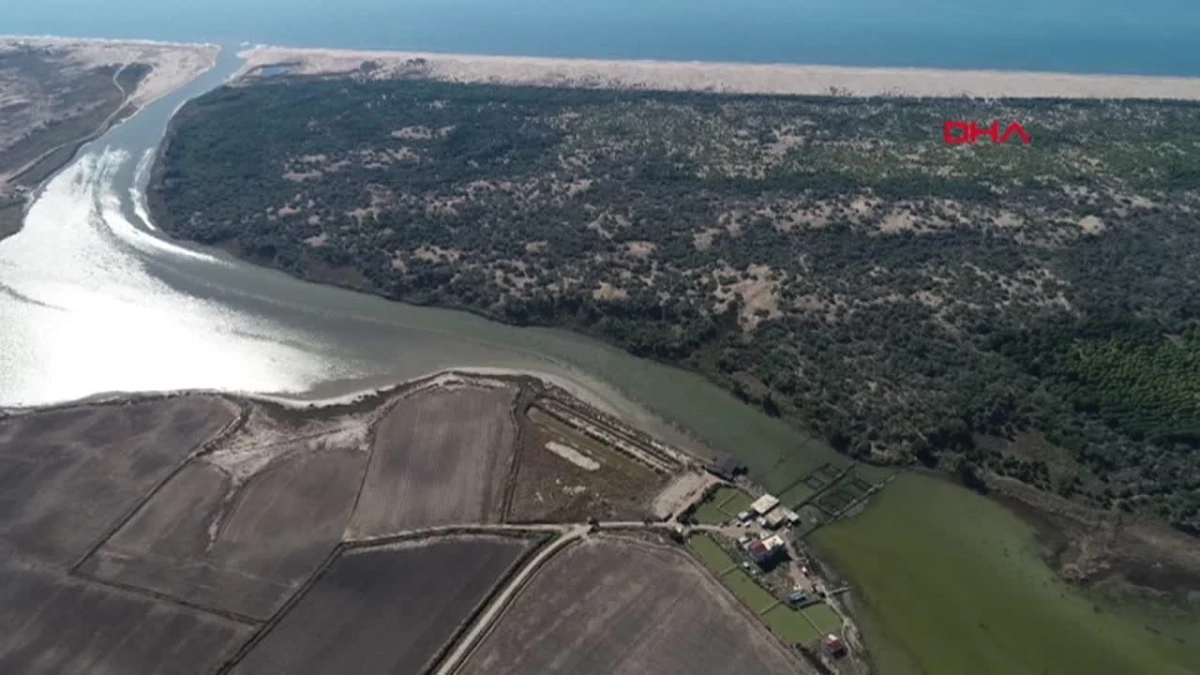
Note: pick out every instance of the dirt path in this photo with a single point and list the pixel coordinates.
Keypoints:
(680, 493)
(95, 133)
(468, 641)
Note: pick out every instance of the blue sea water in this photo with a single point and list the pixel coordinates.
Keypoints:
(1156, 37)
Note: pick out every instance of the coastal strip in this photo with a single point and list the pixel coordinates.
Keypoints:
(717, 77)
(172, 65)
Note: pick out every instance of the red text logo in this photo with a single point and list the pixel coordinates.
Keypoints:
(959, 133)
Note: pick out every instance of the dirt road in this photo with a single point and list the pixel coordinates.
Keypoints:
(496, 607)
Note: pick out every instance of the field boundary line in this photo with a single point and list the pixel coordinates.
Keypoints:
(747, 611)
(494, 611)
(463, 628)
(521, 402)
(266, 627)
(131, 589)
(195, 452)
(447, 530)
(343, 547)
(372, 435)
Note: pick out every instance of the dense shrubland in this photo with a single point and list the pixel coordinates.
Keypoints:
(827, 259)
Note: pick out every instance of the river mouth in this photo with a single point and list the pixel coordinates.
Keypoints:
(95, 300)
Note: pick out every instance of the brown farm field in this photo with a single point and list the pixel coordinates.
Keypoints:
(54, 624)
(238, 548)
(67, 475)
(196, 533)
(439, 458)
(614, 605)
(385, 609)
(603, 482)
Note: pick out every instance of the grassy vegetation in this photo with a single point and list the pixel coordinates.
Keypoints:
(733, 501)
(796, 494)
(723, 504)
(713, 557)
(746, 589)
(953, 583)
(791, 625)
(756, 597)
(708, 514)
(824, 617)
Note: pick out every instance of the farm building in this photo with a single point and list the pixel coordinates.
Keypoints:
(726, 467)
(797, 598)
(790, 516)
(763, 505)
(767, 551)
(775, 518)
(833, 646)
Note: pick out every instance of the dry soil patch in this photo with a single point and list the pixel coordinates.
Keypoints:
(440, 457)
(386, 609)
(610, 606)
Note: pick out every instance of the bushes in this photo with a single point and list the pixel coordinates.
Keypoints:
(907, 296)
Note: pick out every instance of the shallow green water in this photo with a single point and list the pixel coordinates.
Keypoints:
(953, 583)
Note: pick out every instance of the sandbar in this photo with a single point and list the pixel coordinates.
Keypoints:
(743, 78)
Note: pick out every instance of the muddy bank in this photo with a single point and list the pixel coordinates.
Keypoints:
(1106, 550)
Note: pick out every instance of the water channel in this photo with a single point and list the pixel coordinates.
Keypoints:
(94, 300)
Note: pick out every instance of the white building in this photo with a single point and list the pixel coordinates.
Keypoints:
(763, 505)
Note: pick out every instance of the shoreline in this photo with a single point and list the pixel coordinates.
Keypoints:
(173, 64)
(298, 402)
(717, 77)
(172, 67)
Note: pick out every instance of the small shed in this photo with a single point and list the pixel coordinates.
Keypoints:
(833, 646)
(726, 467)
(763, 505)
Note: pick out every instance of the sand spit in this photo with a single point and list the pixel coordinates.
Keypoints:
(721, 77)
(173, 65)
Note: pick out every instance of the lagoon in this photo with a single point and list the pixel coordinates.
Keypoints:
(953, 583)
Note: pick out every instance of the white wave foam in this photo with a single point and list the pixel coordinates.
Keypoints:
(112, 216)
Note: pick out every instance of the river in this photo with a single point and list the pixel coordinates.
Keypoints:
(94, 301)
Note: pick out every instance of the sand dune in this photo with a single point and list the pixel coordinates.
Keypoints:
(723, 77)
(172, 65)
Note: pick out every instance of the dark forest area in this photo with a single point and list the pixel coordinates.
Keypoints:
(1026, 310)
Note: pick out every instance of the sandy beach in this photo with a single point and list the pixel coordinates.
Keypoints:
(722, 77)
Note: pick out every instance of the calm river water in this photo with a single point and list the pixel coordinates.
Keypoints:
(94, 301)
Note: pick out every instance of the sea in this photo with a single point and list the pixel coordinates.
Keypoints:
(1149, 37)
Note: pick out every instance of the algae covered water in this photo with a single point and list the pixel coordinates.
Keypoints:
(954, 583)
